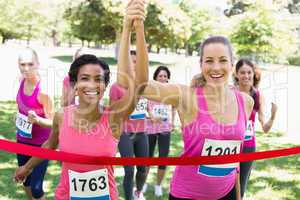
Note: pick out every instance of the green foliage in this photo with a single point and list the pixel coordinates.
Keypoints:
(95, 20)
(263, 35)
(20, 19)
(166, 25)
(201, 24)
(294, 60)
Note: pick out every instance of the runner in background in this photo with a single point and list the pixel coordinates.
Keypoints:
(213, 117)
(88, 128)
(33, 120)
(247, 77)
(159, 127)
(133, 141)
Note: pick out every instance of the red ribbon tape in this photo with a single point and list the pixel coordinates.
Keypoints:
(49, 154)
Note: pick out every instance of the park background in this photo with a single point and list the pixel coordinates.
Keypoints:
(266, 31)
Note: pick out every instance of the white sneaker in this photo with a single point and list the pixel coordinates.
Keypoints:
(158, 191)
(138, 195)
(145, 187)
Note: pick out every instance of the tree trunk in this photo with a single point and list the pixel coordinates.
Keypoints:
(70, 42)
(158, 50)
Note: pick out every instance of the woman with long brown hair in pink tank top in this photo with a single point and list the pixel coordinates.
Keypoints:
(213, 117)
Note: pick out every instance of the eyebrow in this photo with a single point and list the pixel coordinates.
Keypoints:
(99, 75)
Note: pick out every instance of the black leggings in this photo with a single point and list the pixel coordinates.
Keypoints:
(130, 145)
(163, 140)
(230, 196)
(36, 178)
(245, 170)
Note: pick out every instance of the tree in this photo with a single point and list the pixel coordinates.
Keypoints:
(20, 19)
(263, 34)
(95, 20)
(167, 26)
(201, 25)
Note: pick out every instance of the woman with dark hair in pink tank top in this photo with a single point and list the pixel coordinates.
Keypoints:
(90, 129)
(247, 77)
(213, 117)
(33, 120)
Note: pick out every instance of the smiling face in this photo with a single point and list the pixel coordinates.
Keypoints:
(245, 75)
(90, 83)
(162, 76)
(216, 64)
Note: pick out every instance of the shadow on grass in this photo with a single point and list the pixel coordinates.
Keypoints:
(109, 60)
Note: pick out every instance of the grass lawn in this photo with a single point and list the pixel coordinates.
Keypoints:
(275, 179)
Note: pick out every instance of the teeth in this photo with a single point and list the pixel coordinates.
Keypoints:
(216, 76)
(91, 93)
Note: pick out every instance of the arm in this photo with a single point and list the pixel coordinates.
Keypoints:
(261, 116)
(249, 103)
(141, 71)
(68, 93)
(47, 103)
(182, 98)
(22, 172)
(121, 109)
(124, 57)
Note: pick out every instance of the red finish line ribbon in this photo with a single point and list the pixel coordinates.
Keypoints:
(49, 154)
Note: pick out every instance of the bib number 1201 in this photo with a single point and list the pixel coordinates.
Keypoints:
(219, 151)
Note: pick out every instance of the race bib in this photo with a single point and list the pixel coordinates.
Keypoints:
(219, 148)
(24, 128)
(161, 111)
(140, 111)
(91, 185)
(249, 131)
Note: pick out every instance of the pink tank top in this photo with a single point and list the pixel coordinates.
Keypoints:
(250, 141)
(204, 136)
(97, 142)
(162, 111)
(131, 125)
(26, 103)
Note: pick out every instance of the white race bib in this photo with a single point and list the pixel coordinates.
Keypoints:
(161, 111)
(24, 128)
(249, 131)
(140, 111)
(91, 185)
(219, 148)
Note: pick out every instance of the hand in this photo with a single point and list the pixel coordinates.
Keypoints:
(135, 11)
(33, 118)
(156, 119)
(21, 173)
(273, 110)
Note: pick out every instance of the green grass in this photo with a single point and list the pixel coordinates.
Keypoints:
(275, 179)
(109, 60)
